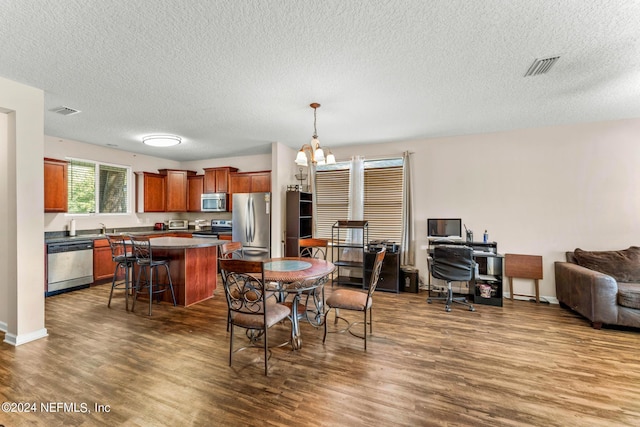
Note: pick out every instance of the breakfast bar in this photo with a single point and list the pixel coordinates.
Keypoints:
(193, 265)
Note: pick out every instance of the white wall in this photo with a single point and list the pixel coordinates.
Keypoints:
(536, 191)
(22, 197)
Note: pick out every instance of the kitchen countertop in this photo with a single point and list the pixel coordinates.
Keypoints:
(60, 237)
(184, 242)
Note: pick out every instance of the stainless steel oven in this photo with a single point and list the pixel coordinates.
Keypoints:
(213, 202)
(69, 265)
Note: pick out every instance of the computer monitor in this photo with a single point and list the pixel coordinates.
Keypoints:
(445, 227)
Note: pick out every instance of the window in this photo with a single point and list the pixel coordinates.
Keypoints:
(94, 184)
(382, 198)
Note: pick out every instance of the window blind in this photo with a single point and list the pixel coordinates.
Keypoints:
(383, 202)
(113, 189)
(93, 184)
(332, 199)
(82, 186)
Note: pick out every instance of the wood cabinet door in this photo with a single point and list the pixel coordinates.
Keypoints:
(261, 182)
(240, 183)
(176, 191)
(209, 180)
(55, 185)
(196, 187)
(154, 192)
(216, 180)
(103, 265)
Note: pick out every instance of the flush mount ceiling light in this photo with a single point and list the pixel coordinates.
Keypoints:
(313, 149)
(161, 140)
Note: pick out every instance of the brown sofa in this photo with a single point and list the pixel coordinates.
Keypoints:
(602, 286)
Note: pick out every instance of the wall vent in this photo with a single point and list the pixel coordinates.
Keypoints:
(65, 111)
(541, 66)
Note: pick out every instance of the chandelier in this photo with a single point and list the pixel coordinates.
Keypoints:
(313, 150)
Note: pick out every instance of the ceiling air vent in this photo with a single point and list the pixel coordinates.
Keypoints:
(65, 111)
(541, 66)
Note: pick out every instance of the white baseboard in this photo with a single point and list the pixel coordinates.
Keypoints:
(25, 338)
(3, 327)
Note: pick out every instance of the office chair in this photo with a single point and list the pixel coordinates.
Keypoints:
(452, 263)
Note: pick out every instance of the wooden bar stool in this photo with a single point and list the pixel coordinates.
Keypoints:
(523, 267)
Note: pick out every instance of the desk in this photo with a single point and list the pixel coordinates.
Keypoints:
(292, 275)
(486, 285)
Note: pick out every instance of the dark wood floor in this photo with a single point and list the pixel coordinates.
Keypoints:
(516, 365)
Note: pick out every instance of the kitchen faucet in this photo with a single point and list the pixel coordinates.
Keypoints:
(103, 229)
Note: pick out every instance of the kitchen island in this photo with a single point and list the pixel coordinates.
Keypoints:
(194, 266)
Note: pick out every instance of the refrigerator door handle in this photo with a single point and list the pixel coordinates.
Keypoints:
(247, 235)
(253, 219)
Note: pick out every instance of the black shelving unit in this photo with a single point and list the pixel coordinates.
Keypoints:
(299, 220)
(339, 233)
(389, 279)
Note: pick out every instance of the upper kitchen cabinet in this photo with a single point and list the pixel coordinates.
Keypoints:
(216, 180)
(150, 190)
(55, 185)
(177, 188)
(196, 188)
(250, 182)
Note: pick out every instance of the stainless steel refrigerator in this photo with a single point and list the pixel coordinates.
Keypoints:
(252, 224)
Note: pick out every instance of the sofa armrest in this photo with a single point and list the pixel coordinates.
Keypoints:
(589, 292)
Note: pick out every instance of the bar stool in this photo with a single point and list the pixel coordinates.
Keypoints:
(148, 265)
(124, 260)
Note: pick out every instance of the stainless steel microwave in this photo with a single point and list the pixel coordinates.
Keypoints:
(214, 202)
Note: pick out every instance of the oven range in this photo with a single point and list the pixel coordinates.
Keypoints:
(219, 227)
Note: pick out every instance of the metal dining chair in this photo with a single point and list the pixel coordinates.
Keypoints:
(351, 299)
(149, 268)
(251, 306)
(124, 260)
(313, 307)
(229, 250)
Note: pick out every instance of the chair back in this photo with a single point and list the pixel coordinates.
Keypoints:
(141, 249)
(313, 248)
(375, 273)
(231, 250)
(244, 285)
(453, 263)
(118, 247)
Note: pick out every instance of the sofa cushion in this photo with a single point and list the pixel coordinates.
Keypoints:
(629, 295)
(622, 265)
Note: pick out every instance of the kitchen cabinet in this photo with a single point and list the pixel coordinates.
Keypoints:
(249, 182)
(195, 186)
(55, 185)
(103, 265)
(150, 191)
(216, 180)
(176, 189)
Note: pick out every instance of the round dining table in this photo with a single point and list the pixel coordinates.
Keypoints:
(297, 276)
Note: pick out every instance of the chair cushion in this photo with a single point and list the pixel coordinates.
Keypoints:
(275, 313)
(348, 299)
(629, 295)
(622, 265)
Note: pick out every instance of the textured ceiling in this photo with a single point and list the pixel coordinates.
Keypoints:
(233, 76)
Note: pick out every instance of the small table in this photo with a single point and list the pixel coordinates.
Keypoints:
(295, 276)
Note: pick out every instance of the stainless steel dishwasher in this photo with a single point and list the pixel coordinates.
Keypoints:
(69, 266)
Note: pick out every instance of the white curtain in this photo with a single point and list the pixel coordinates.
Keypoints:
(407, 255)
(356, 206)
